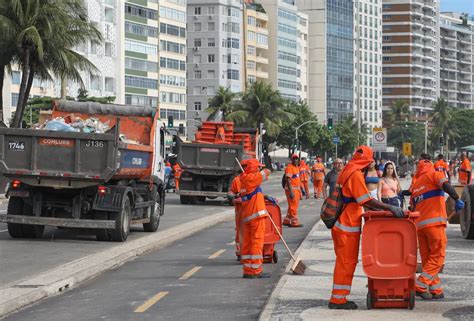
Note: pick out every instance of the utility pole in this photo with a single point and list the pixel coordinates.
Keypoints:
(426, 137)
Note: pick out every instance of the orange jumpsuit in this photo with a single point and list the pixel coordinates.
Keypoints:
(442, 166)
(304, 177)
(177, 174)
(235, 192)
(428, 199)
(220, 136)
(318, 179)
(463, 172)
(253, 218)
(293, 173)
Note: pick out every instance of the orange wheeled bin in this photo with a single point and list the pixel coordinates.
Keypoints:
(389, 249)
(270, 255)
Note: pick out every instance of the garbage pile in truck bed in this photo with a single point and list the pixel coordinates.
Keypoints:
(75, 124)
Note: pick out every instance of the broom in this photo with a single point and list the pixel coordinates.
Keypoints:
(298, 266)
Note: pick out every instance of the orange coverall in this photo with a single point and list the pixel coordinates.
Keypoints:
(293, 173)
(177, 174)
(318, 179)
(428, 199)
(235, 192)
(442, 166)
(304, 177)
(220, 135)
(463, 172)
(346, 231)
(253, 217)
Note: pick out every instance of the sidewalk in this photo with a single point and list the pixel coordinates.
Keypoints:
(306, 297)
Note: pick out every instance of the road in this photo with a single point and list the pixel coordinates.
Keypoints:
(197, 278)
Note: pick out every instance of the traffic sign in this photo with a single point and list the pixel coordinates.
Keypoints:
(407, 149)
(335, 140)
(380, 139)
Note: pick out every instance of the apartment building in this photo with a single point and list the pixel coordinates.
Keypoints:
(255, 49)
(330, 57)
(214, 52)
(302, 52)
(410, 54)
(368, 63)
(457, 60)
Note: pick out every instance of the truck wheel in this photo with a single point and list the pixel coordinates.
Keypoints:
(162, 203)
(466, 220)
(155, 214)
(122, 222)
(31, 231)
(201, 199)
(102, 235)
(15, 207)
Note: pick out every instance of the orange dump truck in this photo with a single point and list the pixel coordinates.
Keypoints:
(71, 177)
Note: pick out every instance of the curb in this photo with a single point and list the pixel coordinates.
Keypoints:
(271, 303)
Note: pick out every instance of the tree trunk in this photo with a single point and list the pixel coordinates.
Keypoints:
(31, 77)
(63, 87)
(2, 75)
(23, 94)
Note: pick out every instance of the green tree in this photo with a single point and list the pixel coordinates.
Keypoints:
(261, 104)
(223, 102)
(44, 33)
(348, 141)
(307, 134)
(399, 111)
(443, 122)
(415, 133)
(463, 120)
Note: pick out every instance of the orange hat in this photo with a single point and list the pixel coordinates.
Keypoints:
(252, 165)
(294, 156)
(424, 166)
(362, 158)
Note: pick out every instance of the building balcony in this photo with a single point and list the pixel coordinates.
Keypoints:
(262, 74)
(262, 16)
(262, 60)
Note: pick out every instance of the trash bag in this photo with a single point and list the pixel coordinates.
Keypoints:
(59, 125)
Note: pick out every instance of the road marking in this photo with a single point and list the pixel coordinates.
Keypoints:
(311, 202)
(190, 273)
(145, 306)
(213, 256)
(3, 231)
(231, 243)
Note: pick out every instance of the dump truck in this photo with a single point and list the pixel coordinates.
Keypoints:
(208, 168)
(78, 180)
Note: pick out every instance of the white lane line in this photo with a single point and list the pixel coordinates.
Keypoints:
(190, 273)
(231, 243)
(213, 256)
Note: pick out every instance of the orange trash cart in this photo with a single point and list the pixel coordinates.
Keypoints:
(270, 255)
(389, 249)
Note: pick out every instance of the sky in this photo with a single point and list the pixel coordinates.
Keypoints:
(458, 6)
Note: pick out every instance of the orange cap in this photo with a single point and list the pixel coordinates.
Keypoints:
(294, 156)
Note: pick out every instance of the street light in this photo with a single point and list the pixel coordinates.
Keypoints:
(297, 128)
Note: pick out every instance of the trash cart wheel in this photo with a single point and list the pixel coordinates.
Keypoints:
(275, 256)
(369, 301)
(411, 303)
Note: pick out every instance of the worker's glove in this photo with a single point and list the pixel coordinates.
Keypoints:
(397, 211)
(231, 197)
(459, 205)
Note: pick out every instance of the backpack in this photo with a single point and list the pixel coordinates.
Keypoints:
(333, 206)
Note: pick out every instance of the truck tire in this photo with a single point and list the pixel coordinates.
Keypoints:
(155, 214)
(466, 219)
(16, 206)
(102, 235)
(201, 199)
(122, 222)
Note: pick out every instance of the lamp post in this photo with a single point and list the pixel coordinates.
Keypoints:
(297, 128)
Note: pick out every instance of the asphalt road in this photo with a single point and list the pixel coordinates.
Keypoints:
(197, 278)
(24, 258)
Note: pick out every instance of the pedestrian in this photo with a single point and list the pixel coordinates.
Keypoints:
(293, 192)
(372, 179)
(253, 219)
(177, 174)
(427, 198)
(331, 177)
(220, 135)
(318, 177)
(304, 176)
(346, 231)
(442, 166)
(451, 168)
(380, 167)
(389, 186)
(234, 197)
(465, 170)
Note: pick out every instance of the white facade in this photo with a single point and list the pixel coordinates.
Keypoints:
(302, 50)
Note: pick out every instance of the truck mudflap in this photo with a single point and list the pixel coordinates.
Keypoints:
(201, 193)
(54, 221)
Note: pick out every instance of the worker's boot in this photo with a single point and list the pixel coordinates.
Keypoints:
(262, 275)
(349, 305)
(424, 295)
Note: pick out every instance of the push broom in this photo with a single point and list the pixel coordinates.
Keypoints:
(298, 266)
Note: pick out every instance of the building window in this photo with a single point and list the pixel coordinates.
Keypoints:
(251, 50)
(251, 35)
(251, 21)
(142, 65)
(197, 42)
(262, 39)
(232, 74)
(386, 38)
(15, 97)
(387, 17)
(109, 84)
(197, 26)
(197, 105)
(140, 82)
(211, 58)
(95, 82)
(251, 79)
(211, 42)
(387, 58)
(172, 63)
(171, 46)
(197, 10)
(141, 30)
(172, 14)
(16, 78)
(141, 12)
(211, 26)
(210, 10)
(138, 100)
(140, 47)
(251, 64)
(197, 74)
(172, 30)
(108, 49)
(386, 48)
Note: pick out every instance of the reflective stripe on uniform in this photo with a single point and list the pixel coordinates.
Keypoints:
(422, 285)
(362, 198)
(341, 287)
(431, 220)
(252, 266)
(434, 287)
(339, 296)
(427, 276)
(254, 215)
(251, 257)
(348, 228)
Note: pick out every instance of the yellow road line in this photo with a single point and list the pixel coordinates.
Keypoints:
(145, 306)
(190, 273)
(213, 256)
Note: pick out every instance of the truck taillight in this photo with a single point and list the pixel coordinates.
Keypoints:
(102, 190)
(16, 183)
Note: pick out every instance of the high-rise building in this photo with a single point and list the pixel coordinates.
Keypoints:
(255, 49)
(410, 54)
(302, 52)
(457, 60)
(330, 57)
(368, 63)
(283, 46)
(214, 52)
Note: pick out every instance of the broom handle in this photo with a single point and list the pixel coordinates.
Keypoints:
(240, 165)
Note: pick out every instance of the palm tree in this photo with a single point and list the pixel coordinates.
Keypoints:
(443, 120)
(261, 104)
(399, 111)
(43, 33)
(223, 102)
